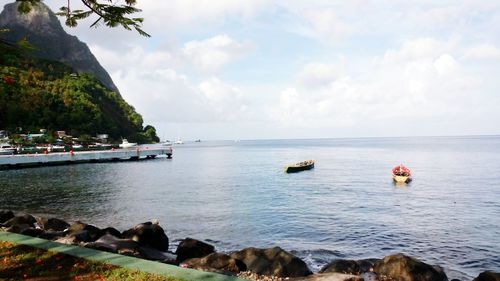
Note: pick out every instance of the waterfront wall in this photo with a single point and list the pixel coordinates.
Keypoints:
(72, 157)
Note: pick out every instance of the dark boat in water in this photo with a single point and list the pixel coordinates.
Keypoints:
(301, 166)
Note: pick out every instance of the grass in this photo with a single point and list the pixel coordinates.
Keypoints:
(20, 262)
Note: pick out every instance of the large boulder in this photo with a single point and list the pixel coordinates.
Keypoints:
(217, 262)
(31, 231)
(488, 276)
(52, 235)
(406, 268)
(19, 228)
(349, 266)
(149, 253)
(70, 240)
(342, 266)
(331, 276)
(82, 232)
(5, 215)
(21, 219)
(112, 231)
(272, 262)
(366, 265)
(127, 246)
(52, 224)
(113, 244)
(191, 248)
(148, 234)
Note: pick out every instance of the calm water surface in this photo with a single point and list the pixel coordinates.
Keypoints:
(235, 195)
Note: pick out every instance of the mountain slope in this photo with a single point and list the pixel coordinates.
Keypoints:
(43, 30)
(37, 93)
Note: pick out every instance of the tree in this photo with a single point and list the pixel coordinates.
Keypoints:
(110, 14)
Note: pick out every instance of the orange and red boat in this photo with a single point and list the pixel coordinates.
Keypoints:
(401, 174)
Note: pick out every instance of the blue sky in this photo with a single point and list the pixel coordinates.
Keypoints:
(231, 69)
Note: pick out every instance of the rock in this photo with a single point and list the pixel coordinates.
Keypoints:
(369, 276)
(331, 276)
(355, 278)
(272, 262)
(342, 266)
(156, 255)
(84, 232)
(82, 236)
(19, 228)
(350, 266)
(488, 276)
(110, 243)
(21, 219)
(53, 224)
(24, 229)
(366, 265)
(34, 232)
(406, 268)
(52, 235)
(5, 215)
(148, 234)
(112, 231)
(70, 240)
(217, 262)
(191, 248)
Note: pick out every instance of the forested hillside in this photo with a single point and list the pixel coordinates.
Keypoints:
(37, 93)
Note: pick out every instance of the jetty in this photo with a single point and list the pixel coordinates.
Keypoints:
(17, 161)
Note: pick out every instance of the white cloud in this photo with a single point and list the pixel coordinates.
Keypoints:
(213, 53)
(419, 81)
(163, 95)
(419, 48)
(423, 63)
(225, 99)
(326, 25)
(181, 14)
(445, 64)
(209, 55)
(319, 74)
(482, 52)
(316, 21)
(135, 56)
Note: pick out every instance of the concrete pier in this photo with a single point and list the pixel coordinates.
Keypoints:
(61, 158)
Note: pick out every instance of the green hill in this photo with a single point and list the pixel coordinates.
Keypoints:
(37, 93)
(42, 29)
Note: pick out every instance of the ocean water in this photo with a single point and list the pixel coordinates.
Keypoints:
(236, 195)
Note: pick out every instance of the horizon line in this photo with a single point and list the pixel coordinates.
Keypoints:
(364, 137)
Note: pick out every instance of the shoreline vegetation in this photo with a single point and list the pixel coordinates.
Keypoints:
(148, 241)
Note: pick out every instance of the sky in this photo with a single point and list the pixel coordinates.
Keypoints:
(262, 69)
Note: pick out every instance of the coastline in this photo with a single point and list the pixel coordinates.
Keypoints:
(148, 241)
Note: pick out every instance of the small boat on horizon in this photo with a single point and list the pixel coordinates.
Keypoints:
(401, 174)
(301, 166)
(126, 144)
(179, 141)
(7, 149)
(77, 146)
(56, 148)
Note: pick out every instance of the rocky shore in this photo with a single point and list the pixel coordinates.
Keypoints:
(149, 241)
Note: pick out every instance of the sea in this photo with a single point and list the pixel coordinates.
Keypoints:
(235, 194)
